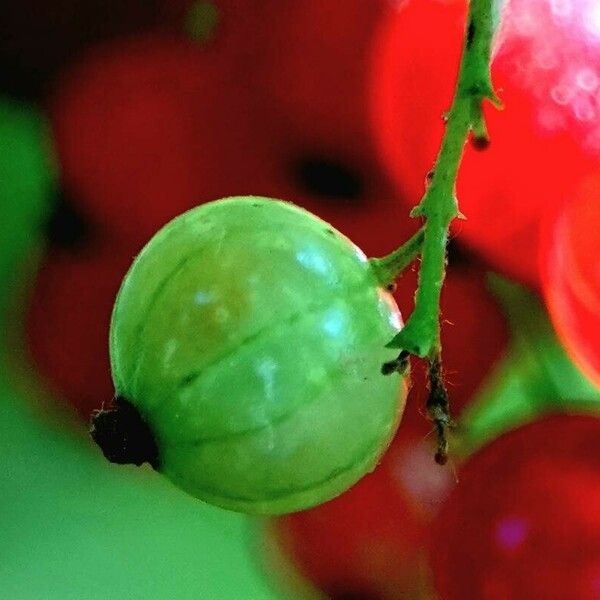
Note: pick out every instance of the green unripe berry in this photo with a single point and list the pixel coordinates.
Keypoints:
(249, 335)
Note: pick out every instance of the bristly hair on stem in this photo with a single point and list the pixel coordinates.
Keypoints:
(439, 207)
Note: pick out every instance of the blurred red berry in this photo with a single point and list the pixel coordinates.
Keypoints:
(311, 68)
(570, 267)
(547, 72)
(524, 520)
(148, 127)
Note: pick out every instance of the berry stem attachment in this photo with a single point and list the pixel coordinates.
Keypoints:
(421, 334)
(388, 268)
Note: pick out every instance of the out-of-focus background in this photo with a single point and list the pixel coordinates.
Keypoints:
(117, 116)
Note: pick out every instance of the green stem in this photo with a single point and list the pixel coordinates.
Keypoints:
(421, 334)
(388, 268)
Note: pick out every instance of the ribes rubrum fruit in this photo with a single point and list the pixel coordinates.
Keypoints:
(547, 70)
(249, 336)
(569, 258)
(313, 85)
(143, 127)
(523, 521)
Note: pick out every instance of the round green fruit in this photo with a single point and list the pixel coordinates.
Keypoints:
(246, 346)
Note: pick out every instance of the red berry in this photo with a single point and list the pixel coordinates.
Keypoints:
(524, 520)
(569, 260)
(68, 320)
(312, 68)
(148, 127)
(546, 70)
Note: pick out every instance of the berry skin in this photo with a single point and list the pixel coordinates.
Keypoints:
(147, 127)
(250, 335)
(546, 69)
(570, 276)
(523, 521)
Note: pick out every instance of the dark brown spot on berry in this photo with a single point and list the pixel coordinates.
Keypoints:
(123, 435)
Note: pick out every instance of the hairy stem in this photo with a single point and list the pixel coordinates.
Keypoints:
(438, 207)
(421, 335)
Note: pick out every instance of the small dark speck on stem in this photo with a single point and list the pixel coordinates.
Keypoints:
(470, 33)
(480, 142)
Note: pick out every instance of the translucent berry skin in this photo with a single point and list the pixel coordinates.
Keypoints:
(546, 69)
(569, 257)
(250, 335)
(523, 521)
